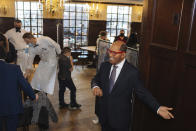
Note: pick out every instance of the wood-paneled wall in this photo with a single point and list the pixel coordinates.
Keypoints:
(168, 64)
(6, 23)
(50, 29)
(94, 28)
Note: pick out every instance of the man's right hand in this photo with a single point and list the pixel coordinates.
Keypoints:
(97, 91)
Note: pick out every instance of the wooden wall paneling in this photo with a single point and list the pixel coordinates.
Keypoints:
(161, 61)
(93, 31)
(6, 23)
(167, 18)
(136, 27)
(50, 29)
(192, 41)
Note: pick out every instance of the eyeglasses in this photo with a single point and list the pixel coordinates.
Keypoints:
(115, 52)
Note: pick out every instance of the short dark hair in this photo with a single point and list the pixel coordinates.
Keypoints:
(17, 21)
(66, 50)
(28, 35)
(102, 33)
(3, 53)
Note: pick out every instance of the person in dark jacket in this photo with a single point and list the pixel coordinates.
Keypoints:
(121, 37)
(10, 97)
(11, 52)
(65, 80)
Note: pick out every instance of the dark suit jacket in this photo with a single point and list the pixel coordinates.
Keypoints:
(115, 108)
(11, 78)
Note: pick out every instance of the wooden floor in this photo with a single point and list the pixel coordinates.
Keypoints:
(78, 120)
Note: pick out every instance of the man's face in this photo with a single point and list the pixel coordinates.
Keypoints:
(28, 41)
(122, 32)
(17, 24)
(116, 56)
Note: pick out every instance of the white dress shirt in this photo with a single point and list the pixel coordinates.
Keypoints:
(16, 38)
(118, 69)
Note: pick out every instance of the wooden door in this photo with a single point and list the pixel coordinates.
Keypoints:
(168, 64)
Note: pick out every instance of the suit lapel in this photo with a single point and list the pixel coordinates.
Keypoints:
(120, 77)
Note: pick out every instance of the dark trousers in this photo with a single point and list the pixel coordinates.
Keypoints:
(8, 122)
(62, 88)
(107, 127)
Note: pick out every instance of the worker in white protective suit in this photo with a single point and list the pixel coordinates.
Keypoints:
(45, 74)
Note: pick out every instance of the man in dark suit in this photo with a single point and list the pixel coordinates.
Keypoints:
(114, 83)
(11, 78)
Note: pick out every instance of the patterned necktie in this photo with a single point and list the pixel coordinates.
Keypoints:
(112, 78)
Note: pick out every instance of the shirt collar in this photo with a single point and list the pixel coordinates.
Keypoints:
(121, 63)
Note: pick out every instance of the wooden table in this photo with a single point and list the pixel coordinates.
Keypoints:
(89, 48)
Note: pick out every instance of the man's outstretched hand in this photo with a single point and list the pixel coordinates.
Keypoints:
(164, 112)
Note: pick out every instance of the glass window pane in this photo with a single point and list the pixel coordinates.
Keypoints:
(19, 5)
(40, 31)
(27, 22)
(33, 14)
(85, 16)
(66, 32)
(28, 29)
(20, 14)
(66, 7)
(84, 31)
(78, 23)
(78, 7)
(113, 32)
(78, 31)
(72, 7)
(113, 24)
(34, 30)
(120, 25)
(34, 6)
(40, 22)
(120, 18)
(72, 31)
(72, 15)
(108, 25)
(120, 9)
(114, 9)
(114, 17)
(126, 10)
(126, 17)
(84, 24)
(84, 40)
(72, 23)
(78, 39)
(66, 23)
(125, 25)
(40, 14)
(66, 15)
(109, 17)
(109, 9)
(26, 5)
(79, 16)
(33, 22)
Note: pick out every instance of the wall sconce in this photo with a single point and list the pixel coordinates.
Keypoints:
(3, 7)
(53, 6)
(95, 10)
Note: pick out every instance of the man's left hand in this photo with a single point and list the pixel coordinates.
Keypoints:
(164, 112)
